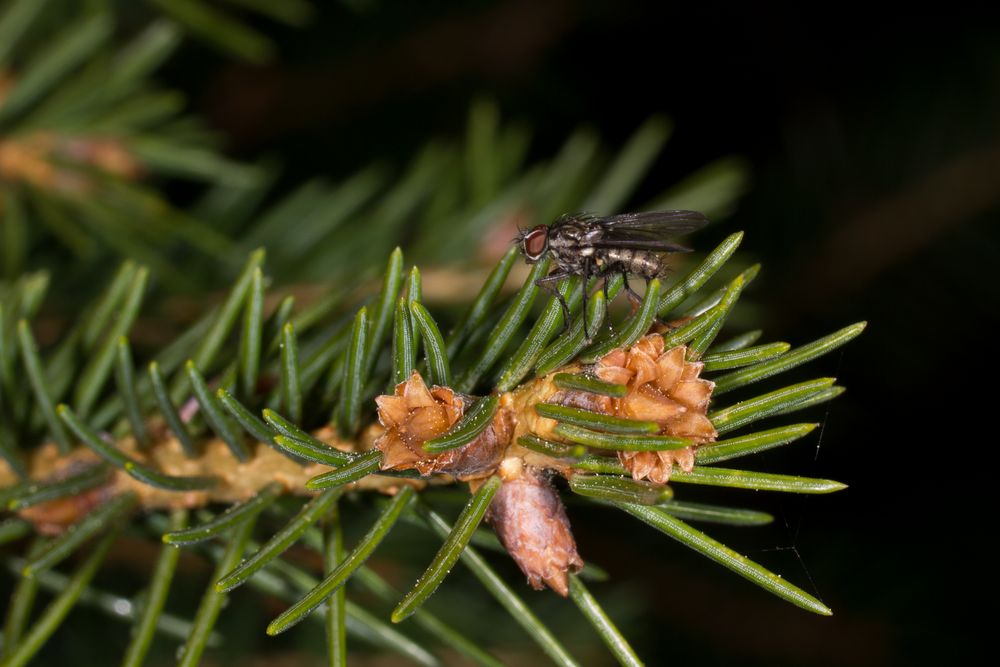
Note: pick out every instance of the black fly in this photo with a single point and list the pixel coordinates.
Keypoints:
(593, 246)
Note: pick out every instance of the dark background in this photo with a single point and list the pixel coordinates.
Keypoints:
(874, 146)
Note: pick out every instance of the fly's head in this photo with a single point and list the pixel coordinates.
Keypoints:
(534, 243)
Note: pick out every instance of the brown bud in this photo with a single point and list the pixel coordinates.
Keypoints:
(665, 388)
(415, 414)
(530, 520)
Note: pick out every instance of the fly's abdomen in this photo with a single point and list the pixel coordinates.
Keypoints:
(637, 262)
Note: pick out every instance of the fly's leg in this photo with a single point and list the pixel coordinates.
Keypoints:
(550, 284)
(588, 268)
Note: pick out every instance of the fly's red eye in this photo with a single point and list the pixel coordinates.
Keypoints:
(535, 242)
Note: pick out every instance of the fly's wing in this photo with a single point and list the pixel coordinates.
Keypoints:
(639, 242)
(648, 231)
(659, 223)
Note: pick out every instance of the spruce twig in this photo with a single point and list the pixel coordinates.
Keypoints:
(306, 384)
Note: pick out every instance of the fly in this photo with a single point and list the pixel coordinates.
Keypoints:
(594, 246)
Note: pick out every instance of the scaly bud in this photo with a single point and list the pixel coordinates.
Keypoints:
(530, 520)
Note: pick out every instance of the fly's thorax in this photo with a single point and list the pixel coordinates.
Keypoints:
(574, 233)
(570, 244)
(571, 259)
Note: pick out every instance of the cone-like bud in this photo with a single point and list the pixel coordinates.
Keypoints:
(665, 388)
(530, 521)
(415, 414)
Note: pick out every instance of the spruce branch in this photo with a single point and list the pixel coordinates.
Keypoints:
(363, 394)
(619, 420)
